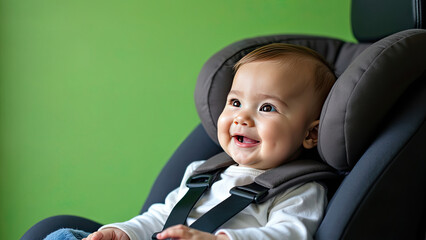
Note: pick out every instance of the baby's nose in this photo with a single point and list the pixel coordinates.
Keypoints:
(243, 120)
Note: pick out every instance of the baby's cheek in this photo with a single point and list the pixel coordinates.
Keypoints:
(272, 132)
(224, 122)
(223, 130)
(220, 126)
(276, 140)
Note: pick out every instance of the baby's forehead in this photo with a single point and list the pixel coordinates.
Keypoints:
(264, 77)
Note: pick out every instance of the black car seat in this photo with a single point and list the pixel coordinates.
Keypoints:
(373, 124)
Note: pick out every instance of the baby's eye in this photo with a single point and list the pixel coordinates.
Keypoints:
(267, 108)
(235, 103)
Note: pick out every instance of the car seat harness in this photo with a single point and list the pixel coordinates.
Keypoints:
(264, 187)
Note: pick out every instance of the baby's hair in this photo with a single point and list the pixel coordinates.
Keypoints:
(324, 72)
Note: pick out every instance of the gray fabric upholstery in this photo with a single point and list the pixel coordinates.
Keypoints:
(348, 52)
(279, 179)
(374, 20)
(382, 197)
(364, 94)
(347, 123)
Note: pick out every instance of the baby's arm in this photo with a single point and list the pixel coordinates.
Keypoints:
(184, 232)
(108, 234)
(143, 226)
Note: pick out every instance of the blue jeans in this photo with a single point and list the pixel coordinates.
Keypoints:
(67, 234)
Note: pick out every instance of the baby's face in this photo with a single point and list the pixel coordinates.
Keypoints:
(268, 113)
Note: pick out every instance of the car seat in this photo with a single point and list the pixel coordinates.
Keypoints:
(373, 124)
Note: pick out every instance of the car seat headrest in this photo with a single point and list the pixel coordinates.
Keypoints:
(371, 84)
(373, 20)
(365, 93)
(215, 78)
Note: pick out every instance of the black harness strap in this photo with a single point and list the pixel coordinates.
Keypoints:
(197, 185)
(240, 198)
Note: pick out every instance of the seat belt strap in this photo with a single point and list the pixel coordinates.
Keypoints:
(240, 198)
(204, 176)
(197, 185)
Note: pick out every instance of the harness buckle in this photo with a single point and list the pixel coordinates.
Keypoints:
(254, 192)
(202, 180)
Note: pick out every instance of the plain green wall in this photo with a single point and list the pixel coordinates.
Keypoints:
(95, 95)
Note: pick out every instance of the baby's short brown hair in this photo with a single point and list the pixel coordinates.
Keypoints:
(294, 54)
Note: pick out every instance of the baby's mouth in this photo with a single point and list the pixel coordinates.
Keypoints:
(246, 140)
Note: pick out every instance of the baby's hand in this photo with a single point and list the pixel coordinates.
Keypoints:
(108, 234)
(184, 232)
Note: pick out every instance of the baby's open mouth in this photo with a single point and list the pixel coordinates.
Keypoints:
(243, 139)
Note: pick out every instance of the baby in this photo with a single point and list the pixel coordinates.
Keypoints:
(271, 115)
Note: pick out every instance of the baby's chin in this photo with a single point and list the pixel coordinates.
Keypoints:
(246, 161)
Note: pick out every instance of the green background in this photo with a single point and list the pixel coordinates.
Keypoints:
(95, 95)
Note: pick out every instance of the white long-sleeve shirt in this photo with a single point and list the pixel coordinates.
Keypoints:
(294, 214)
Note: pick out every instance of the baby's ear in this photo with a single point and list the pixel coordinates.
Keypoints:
(311, 138)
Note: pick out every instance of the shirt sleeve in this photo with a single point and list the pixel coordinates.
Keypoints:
(143, 226)
(295, 215)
